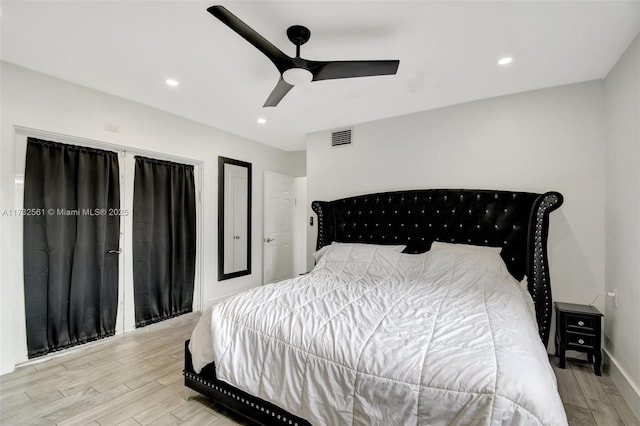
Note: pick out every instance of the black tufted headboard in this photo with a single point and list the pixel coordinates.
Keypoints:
(516, 221)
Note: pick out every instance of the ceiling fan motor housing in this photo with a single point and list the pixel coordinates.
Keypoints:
(298, 34)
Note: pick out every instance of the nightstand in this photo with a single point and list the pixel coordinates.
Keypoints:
(578, 328)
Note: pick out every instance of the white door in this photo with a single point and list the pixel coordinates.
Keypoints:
(278, 227)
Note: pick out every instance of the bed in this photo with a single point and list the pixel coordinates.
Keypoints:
(425, 307)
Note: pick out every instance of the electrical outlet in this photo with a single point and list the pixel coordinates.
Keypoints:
(613, 294)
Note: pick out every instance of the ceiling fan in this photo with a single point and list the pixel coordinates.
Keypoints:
(298, 70)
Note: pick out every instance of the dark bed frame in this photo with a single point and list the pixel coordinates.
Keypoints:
(516, 221)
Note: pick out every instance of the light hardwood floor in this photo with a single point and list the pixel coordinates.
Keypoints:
(136, 379)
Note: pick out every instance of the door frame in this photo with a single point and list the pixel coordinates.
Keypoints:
(19, 159)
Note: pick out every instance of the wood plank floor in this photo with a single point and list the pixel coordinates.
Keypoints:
(130, 379)
(136, 379)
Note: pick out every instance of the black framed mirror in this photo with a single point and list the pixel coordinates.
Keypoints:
(234, 218)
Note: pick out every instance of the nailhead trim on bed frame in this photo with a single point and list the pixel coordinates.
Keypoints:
(540, 288)
(242, 403)
(246, 401)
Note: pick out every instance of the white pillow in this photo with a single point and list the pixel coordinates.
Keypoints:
(355, 246)
(437, 245)
(484, 256)
(397, 248)
(318, 254)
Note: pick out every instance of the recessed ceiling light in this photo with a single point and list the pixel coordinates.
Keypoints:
(505, 61)
(171, 82)
(262, 120)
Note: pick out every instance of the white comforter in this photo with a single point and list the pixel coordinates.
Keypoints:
(375, 337)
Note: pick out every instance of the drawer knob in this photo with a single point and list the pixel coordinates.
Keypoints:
(580, 323)
(581, 341)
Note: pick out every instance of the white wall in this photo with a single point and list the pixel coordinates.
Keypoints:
(41, 102)
(622, 323)
(300, 226)
(551, 139)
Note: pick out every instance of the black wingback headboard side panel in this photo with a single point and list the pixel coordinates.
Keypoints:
(538, 261)
(516, 221)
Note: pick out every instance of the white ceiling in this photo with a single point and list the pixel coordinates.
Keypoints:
(447, 50)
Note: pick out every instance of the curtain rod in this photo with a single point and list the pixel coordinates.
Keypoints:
(92, 143)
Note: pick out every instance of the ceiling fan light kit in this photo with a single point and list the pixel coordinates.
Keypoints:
(297, 76)
(296, 71)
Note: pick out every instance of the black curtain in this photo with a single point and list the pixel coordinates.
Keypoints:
(164, 239)
(71, 201)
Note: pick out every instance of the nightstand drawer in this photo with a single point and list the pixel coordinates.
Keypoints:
(580, 339)
(581, 322)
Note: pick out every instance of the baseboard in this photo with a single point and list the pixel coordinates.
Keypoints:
(629, 390)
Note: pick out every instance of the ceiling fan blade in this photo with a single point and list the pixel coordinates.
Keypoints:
(280, 60)
(281, 89)
(346, 69)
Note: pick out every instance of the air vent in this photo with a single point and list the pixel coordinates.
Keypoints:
(341, 138)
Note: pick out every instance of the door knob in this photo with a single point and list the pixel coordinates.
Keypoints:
(115, 251)
(268, 240)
